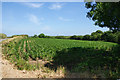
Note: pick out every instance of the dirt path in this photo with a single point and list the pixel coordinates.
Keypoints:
(7, 70)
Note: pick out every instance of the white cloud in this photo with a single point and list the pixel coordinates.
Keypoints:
(63, 19)
(34, 19)
(34, 5)
(56, 6)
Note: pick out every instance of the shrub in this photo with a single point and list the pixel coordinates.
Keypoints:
(73, 37)
(60, 37)
(118, 38)
(41, 35)
(76, 37)
(48, 36)
(110, 36)
(80, 37)
(106, 36)
(94, 37)
(86, 37)
(2, 36)
(35, 36)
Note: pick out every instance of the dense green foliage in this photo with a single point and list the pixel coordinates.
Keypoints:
(86, 37)
(62, 37)
(105, 14)
(41, 35)
(2, 36)
(75, 55)
(35, 36)
(107, 36)
(76, 37)
(14, 51)
(119, 38)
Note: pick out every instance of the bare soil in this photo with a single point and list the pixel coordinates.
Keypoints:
(9, 71)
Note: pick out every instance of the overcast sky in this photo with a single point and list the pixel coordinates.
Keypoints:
(46, 17)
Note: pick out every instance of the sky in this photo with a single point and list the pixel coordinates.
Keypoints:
(50, 18)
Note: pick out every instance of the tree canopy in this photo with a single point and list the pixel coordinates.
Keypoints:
(41, 35)
(105, 14)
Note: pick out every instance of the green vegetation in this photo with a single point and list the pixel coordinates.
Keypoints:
(2, 36)
(107, 36)
(35, 36)
(24, 35)
(74, 55)
(119, 38)
(14, 51)
(61, 37)
(41, 36)
(105, 14)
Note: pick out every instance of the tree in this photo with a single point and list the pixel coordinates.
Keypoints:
(41, 35)
(60, 37)
(119, 38)
(99, 32)
(106, 36)
(73, 37)
(35, 36)
(86, 37)
(47, 36)
(96, 35)
(105, 14)
(2, 36)
(79, 37)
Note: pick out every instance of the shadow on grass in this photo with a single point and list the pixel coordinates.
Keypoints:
(79, 59)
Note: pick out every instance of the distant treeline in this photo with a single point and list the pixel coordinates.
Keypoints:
(108, 36)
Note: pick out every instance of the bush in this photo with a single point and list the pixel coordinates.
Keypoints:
(41, 35)
(110, 36)
(76, 37)
(35, 36)
(48, 36)
(60, 37)
(113, 37)
(80, 37)
(106, 36)
(73, 37)
(94, 37)
(118, 38)
(2, 36)
(86, 37)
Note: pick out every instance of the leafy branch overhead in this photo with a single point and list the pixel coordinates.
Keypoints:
(105, 14)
